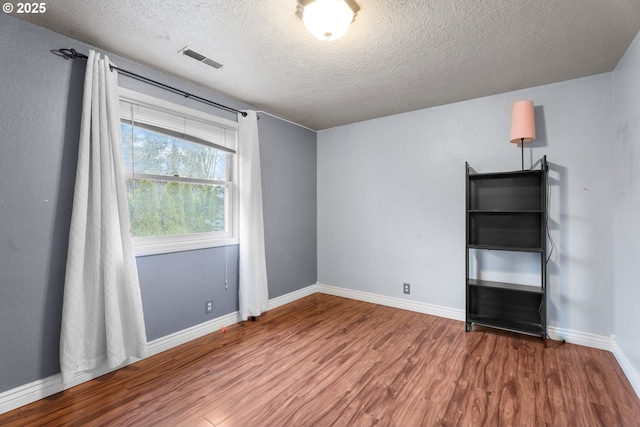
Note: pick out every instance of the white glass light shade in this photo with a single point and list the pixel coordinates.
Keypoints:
(327, 19)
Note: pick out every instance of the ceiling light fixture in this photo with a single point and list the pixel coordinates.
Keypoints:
(327, 19)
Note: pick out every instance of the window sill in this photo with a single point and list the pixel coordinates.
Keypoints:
(170, 247)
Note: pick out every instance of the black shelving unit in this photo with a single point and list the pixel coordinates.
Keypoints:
(507, 211)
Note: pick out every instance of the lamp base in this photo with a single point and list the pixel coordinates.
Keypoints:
(522, 147)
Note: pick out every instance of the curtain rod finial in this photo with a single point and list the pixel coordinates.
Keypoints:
(71, 53)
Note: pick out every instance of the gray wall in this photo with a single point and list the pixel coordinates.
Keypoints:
(176, 286)
(40, 108)
(626, 203)
(289, 204)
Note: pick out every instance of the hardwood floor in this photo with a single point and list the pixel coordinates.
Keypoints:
(329, 361)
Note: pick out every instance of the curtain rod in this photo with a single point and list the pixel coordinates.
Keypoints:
(73, 54)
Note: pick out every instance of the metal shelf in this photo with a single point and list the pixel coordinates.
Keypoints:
(506, 211)
(515, 287)
(505, 248)
(529, 328)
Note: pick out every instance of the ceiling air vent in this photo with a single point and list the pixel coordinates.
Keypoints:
(187, 51)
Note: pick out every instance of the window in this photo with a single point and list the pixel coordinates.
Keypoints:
(180, 167)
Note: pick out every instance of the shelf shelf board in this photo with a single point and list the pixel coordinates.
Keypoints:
(505, 211)
(504, 248)
(508, 174)
(503, 285)
(509, 325)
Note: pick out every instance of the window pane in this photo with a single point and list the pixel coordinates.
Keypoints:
(155, 153)
(161, 208)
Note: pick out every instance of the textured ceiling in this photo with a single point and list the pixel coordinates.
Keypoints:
(397, 56)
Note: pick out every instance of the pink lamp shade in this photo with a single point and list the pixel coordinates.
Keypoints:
(523, 123)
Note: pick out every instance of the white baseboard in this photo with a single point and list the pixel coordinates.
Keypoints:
(580, 338)
(632, 374)
(292, 296)
(39, 389)
(197, 331)
(181, 337)
(420, 307)
(570, 336)
(25, 394)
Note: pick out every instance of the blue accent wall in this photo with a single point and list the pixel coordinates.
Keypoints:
(40, 108)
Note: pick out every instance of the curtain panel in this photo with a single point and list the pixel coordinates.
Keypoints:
(102, 318)
(253, 290)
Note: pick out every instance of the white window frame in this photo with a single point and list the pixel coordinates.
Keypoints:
(152, 245)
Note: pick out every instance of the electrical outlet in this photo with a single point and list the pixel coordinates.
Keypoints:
(406, 288)
(208, 307)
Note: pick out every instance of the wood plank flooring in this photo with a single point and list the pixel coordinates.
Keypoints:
(330, 361)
